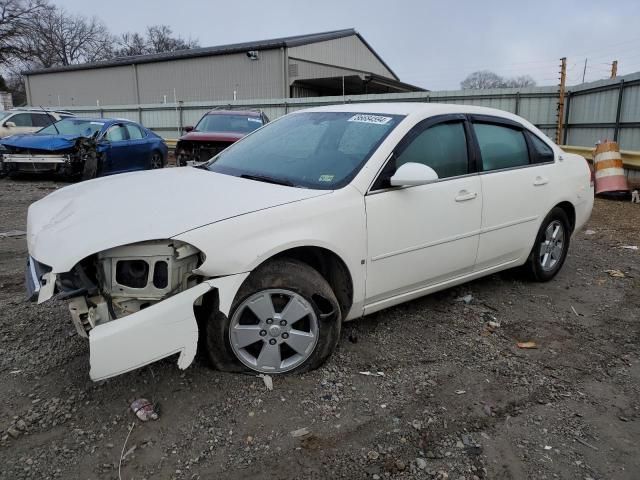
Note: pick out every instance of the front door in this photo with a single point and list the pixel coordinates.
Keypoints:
(424, 235)
(117, 151)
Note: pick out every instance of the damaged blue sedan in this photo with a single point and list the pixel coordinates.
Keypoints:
(84, 148)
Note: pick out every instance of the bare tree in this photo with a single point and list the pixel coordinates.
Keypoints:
(14, 17)
(482, 79)
(158, 39)
(55, 37)
(520, 81)
(487, 79)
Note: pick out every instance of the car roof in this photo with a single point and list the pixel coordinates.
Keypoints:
(248, 113)
(416, 108)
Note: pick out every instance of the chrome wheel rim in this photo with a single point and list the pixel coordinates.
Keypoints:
(274, 331)
(552, 246)
(156, 161)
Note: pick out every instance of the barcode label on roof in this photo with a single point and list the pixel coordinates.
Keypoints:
(364, 118)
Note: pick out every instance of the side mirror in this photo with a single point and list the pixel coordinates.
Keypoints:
(410, 174)
(9, 124)
(188, 128)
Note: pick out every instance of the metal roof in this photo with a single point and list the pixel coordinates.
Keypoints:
(269, 44)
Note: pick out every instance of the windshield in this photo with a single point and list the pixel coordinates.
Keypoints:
(322, 150)
(72, 126)
(228, 123)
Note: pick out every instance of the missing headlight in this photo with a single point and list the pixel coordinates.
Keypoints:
(133, 273)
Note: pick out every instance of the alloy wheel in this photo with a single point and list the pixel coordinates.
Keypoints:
(274, 331)
(552, 246)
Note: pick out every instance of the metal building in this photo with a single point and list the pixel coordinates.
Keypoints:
(330, 63)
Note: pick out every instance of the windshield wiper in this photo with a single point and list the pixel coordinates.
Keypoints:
(266, 179)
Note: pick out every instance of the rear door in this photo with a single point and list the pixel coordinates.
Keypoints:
(516, 174)
(424, 235)
(139, 148)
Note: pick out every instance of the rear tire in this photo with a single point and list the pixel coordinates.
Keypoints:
(550, 248)
(263, 332)
(157, 161)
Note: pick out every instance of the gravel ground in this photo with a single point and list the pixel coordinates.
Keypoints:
(456, 398)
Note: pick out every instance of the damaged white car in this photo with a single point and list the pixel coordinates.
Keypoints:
(320, 217)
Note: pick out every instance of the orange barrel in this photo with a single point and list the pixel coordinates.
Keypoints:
(607, 163)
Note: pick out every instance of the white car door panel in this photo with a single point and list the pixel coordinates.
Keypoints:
(427, 234)
(421, 235)
(516, 192)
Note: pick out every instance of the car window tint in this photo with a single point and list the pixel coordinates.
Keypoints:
(442, 147)
(41, 119)
(501, 147)
(116, 133)
(22, 120)
(542, 151)
(134, 132)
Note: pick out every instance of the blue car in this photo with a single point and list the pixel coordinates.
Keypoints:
(84, 148)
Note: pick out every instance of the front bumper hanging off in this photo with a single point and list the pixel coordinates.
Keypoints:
(138, 339)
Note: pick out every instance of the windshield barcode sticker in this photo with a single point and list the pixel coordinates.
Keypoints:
(252, 119)
(364, 118)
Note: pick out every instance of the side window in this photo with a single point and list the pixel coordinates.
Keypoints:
(41, 119)
(134, 132)
(541, 152)
(116, 133)
(22, 120)
(501, 147)
(442, 147)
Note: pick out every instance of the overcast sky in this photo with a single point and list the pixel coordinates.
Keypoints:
(433, 44)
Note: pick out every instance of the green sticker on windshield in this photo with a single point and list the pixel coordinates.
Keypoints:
(326, 178)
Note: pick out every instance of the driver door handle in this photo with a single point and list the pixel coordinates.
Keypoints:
(540, 181)
(464, 195)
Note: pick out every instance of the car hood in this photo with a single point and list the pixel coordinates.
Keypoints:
(41, 142)
(89, 217)
(213, 136)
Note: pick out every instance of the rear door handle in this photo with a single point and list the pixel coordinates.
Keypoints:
(464, 195)
(540, 181)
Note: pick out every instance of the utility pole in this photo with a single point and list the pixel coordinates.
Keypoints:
(563, 78)
(584, 71)
(614, 69)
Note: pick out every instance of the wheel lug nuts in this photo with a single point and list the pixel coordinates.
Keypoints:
(283, 323)
(269, 321)
(285, 335)
(272, 341)
(263, 333)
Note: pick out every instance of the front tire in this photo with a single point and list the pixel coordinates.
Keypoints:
(550, 248)
(284, 318)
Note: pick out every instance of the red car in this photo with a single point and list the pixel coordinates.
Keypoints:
(215, 131)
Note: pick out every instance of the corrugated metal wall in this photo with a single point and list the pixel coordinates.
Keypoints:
(109, 86)
(214, 78)
(348, 52)
(591, 110)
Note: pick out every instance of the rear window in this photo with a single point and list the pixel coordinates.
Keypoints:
(501, 147)
(228, 123)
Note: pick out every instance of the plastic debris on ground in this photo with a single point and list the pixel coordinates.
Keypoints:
(301, 432)
(527, 345)
(372, 374)
(467, 299)
(268, 381)
(460, 392)
(615, 273)
(144, 410)
(629, 247)
(12, 233)
(589, 232)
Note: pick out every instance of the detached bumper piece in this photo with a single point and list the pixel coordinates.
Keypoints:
(37, 280)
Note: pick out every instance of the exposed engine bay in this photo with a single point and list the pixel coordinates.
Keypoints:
(79, 159)
(190, 152)
(124, 280)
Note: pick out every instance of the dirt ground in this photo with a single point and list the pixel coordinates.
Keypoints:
(456, 399)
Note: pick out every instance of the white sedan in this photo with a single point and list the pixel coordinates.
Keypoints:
(320, 217)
